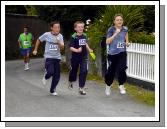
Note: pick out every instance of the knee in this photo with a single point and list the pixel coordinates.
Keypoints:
(51, 73)
(84, 72)
(123, 69)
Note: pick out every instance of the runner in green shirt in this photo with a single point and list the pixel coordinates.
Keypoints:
(25, 43)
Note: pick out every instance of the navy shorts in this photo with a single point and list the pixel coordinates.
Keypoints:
(24, 52)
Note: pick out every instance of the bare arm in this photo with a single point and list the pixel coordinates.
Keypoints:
(88, 48)
(61, 45)
(19, 44)
(127, 40)
(36, 47)
(79, 50)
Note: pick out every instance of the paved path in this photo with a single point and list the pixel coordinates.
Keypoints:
(26, 96)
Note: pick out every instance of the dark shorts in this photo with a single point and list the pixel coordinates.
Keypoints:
(24, 52)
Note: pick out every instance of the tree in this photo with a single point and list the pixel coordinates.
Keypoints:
(149, 18)
(17, 9)
(66, 14)
(132, 15)
(31, 10)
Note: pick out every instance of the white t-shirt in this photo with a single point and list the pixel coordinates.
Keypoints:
(52, 49)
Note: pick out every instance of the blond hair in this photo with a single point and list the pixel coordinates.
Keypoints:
(119, 14)
(78, 22)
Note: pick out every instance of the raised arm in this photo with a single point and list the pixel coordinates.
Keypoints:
(110, 39)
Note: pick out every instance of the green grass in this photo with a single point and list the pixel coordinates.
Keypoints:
(141, 94)
(95, 78)
(138, 93)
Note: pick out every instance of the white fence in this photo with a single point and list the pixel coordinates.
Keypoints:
(140, 61)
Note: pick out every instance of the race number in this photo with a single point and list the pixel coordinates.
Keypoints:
(26, 43)
(120, 45)
(53, 47)
(82, 42)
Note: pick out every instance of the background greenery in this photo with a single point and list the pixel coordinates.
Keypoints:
(138, 18)
(139, 25)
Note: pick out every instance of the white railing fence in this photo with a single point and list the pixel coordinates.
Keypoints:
(140, 61)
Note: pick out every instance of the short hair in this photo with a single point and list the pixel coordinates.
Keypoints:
(26, 26)
(78, 22)
(116, 15)
(54, 22)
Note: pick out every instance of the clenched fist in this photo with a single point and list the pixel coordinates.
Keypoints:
(34, 52)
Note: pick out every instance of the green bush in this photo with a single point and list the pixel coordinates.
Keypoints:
(142, 37)
(133, 18)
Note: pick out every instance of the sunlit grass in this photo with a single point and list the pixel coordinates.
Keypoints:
(138, 93)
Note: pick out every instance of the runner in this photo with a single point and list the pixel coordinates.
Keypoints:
(117, 39)
(80, 49)
(54, 42)
(25, 43)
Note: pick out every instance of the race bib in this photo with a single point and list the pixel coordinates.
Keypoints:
(26, 43)
(120, 45)
(82, 42)
(53, 47)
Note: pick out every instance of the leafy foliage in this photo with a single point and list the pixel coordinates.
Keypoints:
(132, 15)
(18, 9)
(142, 37)
(66, 14)
(149, 18)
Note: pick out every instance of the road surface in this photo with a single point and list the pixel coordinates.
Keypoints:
(25, 96)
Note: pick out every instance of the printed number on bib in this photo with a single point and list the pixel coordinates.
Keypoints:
(120, 45)
(53, 47)
(82, 42)
(26, 43)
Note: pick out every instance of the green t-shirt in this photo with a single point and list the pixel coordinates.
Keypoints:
(26, 40)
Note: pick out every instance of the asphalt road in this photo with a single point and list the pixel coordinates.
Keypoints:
(25, 96)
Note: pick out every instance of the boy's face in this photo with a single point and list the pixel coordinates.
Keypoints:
(56, 28)
(118, 21)
(79, 28)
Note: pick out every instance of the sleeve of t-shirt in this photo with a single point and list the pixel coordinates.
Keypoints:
(110, 32)
(72, 42)
(42, 38)
(125, 28)
(61, 38)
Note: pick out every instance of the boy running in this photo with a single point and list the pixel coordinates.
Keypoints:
(80, 49)
(54, 42)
